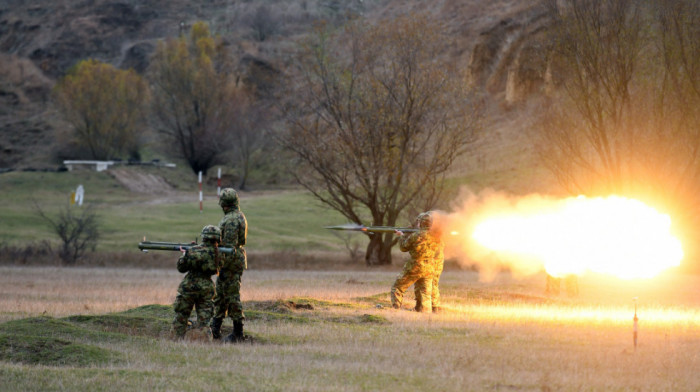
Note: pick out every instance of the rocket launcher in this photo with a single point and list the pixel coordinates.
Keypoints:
(373, 229)
(145, 246)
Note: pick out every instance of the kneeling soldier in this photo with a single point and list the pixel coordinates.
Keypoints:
(197, 289)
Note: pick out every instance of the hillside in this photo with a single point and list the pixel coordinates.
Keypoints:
(39, 41)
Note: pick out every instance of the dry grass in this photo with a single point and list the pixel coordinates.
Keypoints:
(503, 335)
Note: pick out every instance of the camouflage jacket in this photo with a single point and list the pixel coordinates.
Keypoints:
(423, 247)
(199, 262)
(234, 230)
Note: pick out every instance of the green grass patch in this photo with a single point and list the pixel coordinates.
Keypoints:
(277, 221)
(55, 328)
(148, 320)
(328, 304)
(306, 310)
(48, 341)
(130, 325)
(265, 316)
(383, 299)
(154, 311)
(373, 319)
(39, 350)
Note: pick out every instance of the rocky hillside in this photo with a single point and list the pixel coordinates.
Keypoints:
(498, 41)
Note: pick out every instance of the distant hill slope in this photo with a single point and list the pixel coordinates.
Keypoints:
(497, 41)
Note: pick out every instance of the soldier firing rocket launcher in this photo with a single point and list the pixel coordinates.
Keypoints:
(145, 246)
(373, 229)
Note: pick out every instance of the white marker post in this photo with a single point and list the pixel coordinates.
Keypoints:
(218, 182)
(79, 194)
(200, 191)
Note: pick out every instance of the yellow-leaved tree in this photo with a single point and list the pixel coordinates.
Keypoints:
(193, 89)
(106, 107)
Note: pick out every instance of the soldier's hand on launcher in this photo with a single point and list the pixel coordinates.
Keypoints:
(183, 250)
(398, 232)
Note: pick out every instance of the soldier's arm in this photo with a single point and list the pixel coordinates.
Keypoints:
(406, 242)
(242, 230)
(183, 264)
(222, 227)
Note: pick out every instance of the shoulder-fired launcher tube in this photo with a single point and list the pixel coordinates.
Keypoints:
(154, 245)
(373, 229)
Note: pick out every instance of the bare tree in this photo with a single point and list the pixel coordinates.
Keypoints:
(626, 119)
(78, 232)
(248, 119)
(679, 34)
(596, 46)
(376, 120)
(351, 243)
(192, 86)
(676, 111)
(264, 22)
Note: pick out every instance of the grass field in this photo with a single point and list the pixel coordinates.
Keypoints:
(316, 322)
(277, 220)
(106, 329)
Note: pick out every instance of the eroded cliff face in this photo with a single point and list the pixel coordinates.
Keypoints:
(502, 45)
(511, 57)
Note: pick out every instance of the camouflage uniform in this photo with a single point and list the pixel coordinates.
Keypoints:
(197, 289)
(234, 230)
(438, 265)
(423, 246)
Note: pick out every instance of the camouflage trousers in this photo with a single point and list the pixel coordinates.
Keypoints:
(199, 298)
(228, 298)
(435, 292)
(414, 273)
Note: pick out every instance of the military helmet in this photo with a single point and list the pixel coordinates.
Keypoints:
(211, 232)
(228, 197)
(424, 220)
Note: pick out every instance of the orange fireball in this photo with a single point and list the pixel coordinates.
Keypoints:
(613, 235)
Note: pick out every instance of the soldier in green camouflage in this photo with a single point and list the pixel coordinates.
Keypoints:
(196, 290)
(234, 230)
(423, 246)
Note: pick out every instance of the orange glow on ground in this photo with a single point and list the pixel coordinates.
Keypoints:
(679, 318)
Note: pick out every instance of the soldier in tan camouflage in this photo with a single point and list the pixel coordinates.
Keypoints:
(197, 289)
(423, 246)
(438, 265)
(234, 229)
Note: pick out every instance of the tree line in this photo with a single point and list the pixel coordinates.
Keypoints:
(191, 96)
(373, 115)
(625, 118)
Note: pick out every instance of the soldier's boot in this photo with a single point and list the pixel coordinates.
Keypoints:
(419, 305)
(177, 332)
(216, 328)
(238, 330)
(237, 334)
